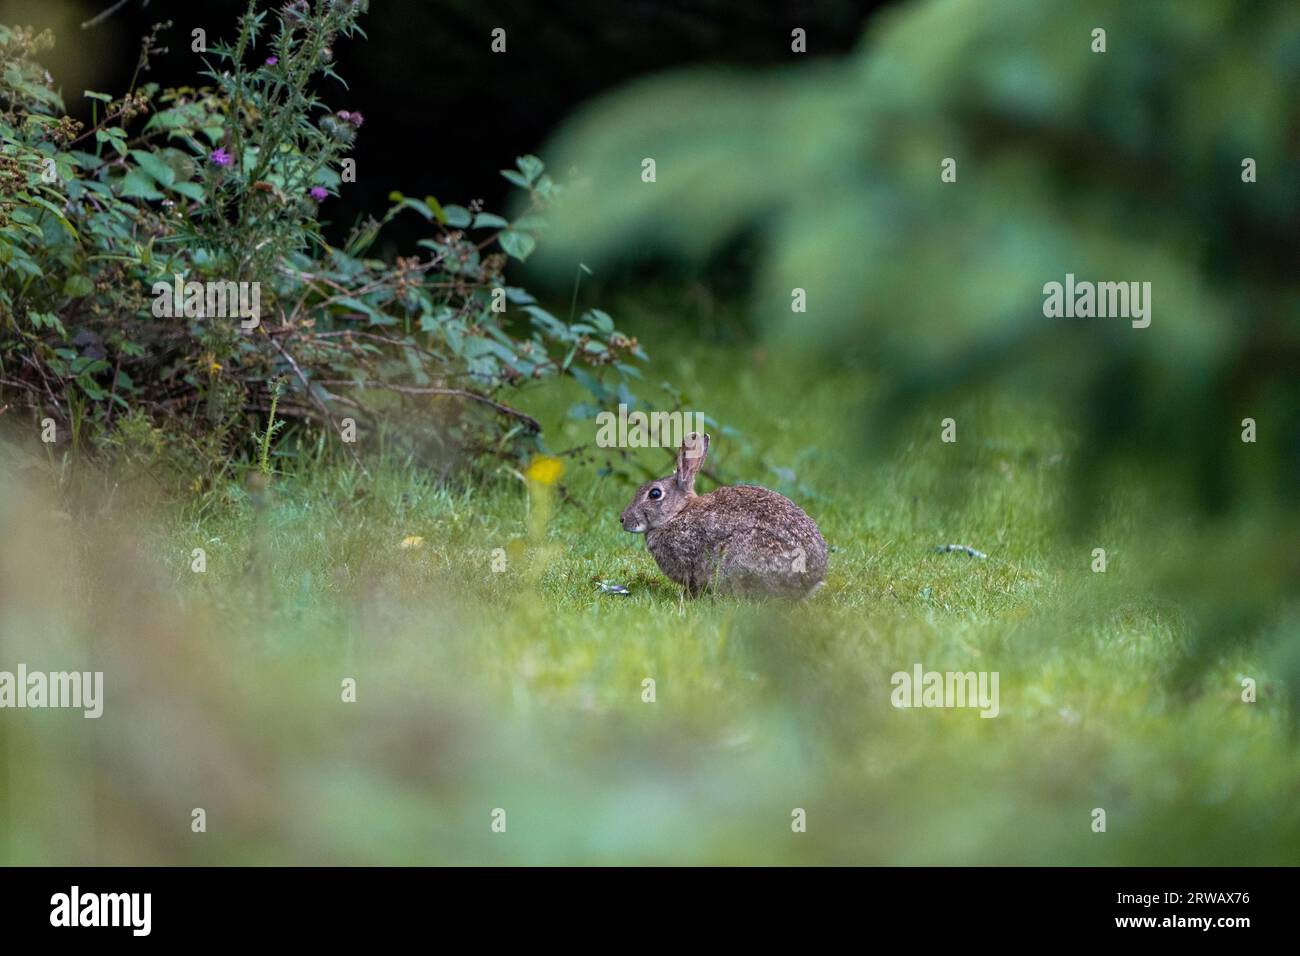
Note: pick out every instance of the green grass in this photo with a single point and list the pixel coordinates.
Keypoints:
(522, 689)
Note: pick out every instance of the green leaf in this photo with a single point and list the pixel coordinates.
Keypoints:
(168, 119)
(92, 390)
(547, 322)
(326, 177)
(420, 207)
(102, 97)
(161, 173)
(601, 320)
(190, 190)
(376, 317)
(487, 220)
(590, 383)
(58, 214)
(457, 217)
(47, 320)
(114, 136)
(453, 334)
(137, 185)
(517, 244)
(78, 286)
(182, 166)
(85, 365)
(516, 178)
(531, 167)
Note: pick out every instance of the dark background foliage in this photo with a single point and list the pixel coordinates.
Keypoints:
(433, 125)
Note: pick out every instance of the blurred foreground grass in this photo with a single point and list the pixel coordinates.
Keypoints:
(522, 689)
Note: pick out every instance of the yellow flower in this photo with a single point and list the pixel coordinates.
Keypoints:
(545, 470)
(412, 541)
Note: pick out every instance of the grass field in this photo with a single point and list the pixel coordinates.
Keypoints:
(522, 689)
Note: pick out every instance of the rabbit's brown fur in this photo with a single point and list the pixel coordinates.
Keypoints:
(740, 539)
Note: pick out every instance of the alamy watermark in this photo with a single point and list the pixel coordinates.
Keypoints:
(922, 688)
(209, 300)
(649, 430)
(130, 910)
(1103, 300)
(56, 689)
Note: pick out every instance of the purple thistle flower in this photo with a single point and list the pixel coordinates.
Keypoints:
(319, 193)
(220, 157)
(272, 60)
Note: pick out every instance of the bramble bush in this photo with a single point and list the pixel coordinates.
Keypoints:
(222, 184)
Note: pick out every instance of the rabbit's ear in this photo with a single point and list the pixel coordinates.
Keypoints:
(689, 459)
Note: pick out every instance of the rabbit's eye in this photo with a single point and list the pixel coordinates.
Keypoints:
(655, 494)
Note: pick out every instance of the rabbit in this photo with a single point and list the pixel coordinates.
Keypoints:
(740, 540)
